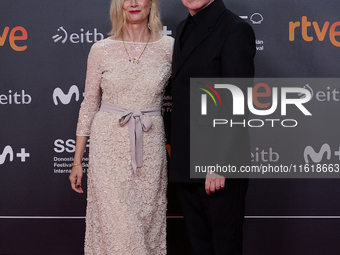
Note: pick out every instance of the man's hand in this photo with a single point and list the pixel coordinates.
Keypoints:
(214, 181)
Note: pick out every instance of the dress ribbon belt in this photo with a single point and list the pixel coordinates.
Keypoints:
(138, 121)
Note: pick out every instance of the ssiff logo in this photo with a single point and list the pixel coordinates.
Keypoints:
(256, 18)
(65, 98)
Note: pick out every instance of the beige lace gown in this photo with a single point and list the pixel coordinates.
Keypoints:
(126, 211)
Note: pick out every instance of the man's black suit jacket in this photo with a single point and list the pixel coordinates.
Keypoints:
(222, 45)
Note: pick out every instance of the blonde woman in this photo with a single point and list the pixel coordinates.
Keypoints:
(121, 112)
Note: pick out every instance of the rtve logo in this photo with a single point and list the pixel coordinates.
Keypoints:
(8, 151)
(65, 98)
(316, 157)
(17, 34)
(319, 31)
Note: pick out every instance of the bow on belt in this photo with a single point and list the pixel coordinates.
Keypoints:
(138, 121)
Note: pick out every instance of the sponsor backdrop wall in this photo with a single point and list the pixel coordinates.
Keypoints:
(43, 52)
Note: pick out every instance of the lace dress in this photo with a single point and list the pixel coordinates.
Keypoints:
(126, 211)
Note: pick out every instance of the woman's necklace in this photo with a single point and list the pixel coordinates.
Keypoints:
(134, 60)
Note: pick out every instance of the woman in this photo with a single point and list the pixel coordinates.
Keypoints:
(127, 179)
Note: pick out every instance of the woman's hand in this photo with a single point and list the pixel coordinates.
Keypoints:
(213, 182)
(77, 169)
(75, 178)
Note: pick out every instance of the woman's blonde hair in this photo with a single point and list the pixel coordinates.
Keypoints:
(118, 18)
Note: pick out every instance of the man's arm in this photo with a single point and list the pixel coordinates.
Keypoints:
(237, 56)
(237, 60)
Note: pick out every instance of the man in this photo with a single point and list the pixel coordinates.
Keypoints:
(211, 42)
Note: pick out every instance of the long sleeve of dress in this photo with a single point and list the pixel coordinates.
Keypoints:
(89, 106)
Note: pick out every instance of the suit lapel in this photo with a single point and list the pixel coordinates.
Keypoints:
(177, 47)
(198, 35)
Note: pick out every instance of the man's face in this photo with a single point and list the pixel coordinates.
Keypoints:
(194, 6)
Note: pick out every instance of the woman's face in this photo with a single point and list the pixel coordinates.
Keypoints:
(136, 11)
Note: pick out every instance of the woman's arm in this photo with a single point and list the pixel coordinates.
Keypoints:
(88, 109)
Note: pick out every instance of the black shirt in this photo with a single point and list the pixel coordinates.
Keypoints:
(192, 22)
